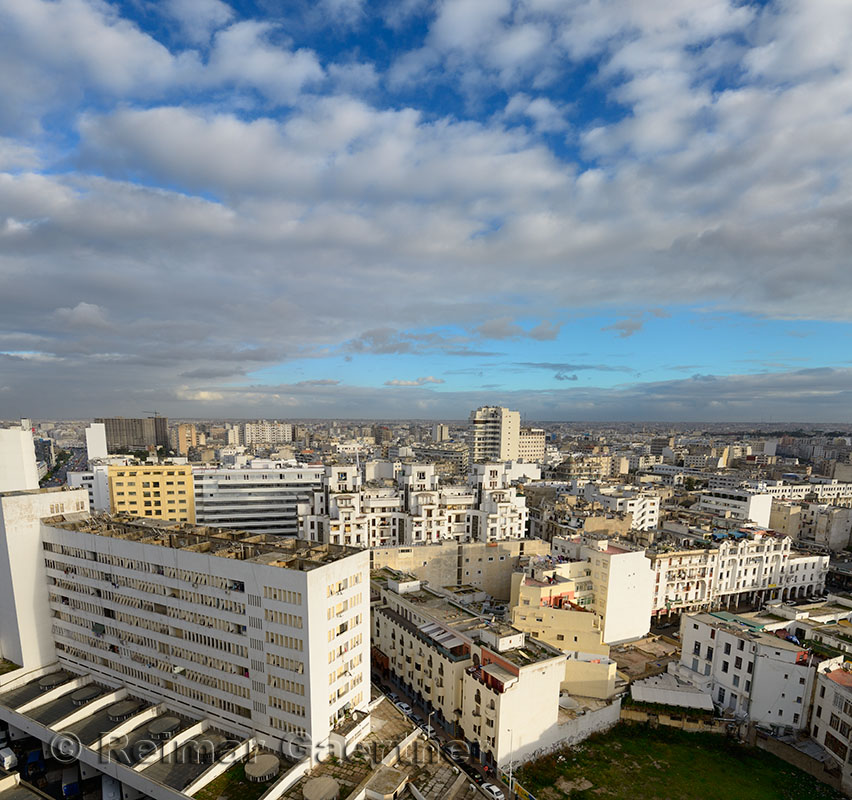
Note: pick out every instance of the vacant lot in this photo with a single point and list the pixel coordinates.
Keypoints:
(635, 761)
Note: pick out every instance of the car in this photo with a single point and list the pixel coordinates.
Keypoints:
(417, 720)
(474, 773)
(428, 730)
(404, 707)
(493, 791)
(393, 697)
(456, 752)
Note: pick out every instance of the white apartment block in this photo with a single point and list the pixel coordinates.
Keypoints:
(96, 482)
(267, 637)
(416, 510)
(753, 565)
(619, 586)
(480, 680)
(265, 497)
(756, 676)
(831, 722)
(531, 444)
(818, 524)
(739, 504)
(17, 460)
(263, 432)
(644, 506)
(494, 434)
(96, 444)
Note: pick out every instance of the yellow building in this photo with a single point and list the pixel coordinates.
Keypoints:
(186, 437)
(160, 491)
(548, 602)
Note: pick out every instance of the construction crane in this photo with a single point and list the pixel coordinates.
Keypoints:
(154, 413)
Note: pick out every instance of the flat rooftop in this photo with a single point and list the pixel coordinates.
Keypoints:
(261, 548)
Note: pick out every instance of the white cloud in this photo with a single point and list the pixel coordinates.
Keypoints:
(198, 18)
(416, 382)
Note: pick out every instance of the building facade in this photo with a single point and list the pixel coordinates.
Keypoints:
(494, 434)
(158, 491)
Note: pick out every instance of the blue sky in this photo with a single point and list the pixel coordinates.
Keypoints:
(587, 209)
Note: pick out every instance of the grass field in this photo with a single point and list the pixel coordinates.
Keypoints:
(635, 761)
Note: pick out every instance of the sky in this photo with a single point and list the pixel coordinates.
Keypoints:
(581, 209)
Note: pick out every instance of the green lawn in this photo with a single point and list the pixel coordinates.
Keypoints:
(636, 761)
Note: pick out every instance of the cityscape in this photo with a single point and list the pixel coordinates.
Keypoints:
(425, 400)
(276, 608)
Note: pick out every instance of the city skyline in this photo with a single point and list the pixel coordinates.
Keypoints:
(585, 210)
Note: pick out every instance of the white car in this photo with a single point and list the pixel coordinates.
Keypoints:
(493, 791)
(405, 708)
(428, 730)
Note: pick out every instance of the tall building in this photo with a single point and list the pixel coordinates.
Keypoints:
(187, 437)
(96, 443)
(17, 460)
(158, 491)
(265, 497)
(263, 432)
(440, 432)
(124, 434)
(531, 444)
(494, 434)
(96, 482)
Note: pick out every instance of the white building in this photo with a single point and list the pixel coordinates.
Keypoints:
(732, 567)
(265, 497)
(643, 505)
(739, 504)
(757, 676)
(96, 444)
(96, 482)
(17, 460)
(494, 434)
(531, 444)
(263, 432)
(416, 510)
(831, 722)
(621, 583)
(268, 637)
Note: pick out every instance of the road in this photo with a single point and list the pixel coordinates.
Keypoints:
(485, 775)
(77, 462)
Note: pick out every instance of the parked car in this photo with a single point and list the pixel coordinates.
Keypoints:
(405, 708)
(393, 697)
(493, 791)
(456, 751)
(428, 730)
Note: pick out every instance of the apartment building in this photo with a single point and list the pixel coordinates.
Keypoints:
(643, 506)
(743, 505)
(455, 454)
(96, 482)
(17, 460)
(484, 681)
(415, 509)
(158, 491)
(549, 602)
(266, 636)
(263, 432)
(817, 524)
(726, 568)
(264, 497)
(494, 434)
(831, 722)
(484, 566)
(124, 435)
(620, 578)
(96, 443)
(757, 676)
(531, 444)
(186, 438)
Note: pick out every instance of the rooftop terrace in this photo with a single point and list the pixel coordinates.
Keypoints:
(298, 554)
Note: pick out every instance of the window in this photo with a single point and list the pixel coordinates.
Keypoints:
(738, 663)
(709, 653)
(727, 648)
(740, 644)
(721, 695)
(725, 666)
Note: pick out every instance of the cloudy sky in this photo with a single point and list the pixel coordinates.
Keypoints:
(583, 209)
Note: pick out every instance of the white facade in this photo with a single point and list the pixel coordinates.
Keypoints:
(739, 504)
(96, 444)
(531, 444)
(96, 482)
(831, 722)
(757, 676)
(644, 506)
(18, 468)
(494, 434)
(25, 635)
(417, 510)
(270, 638)
(263, 499)
(621, 582)
(263, 432)
(757, 566)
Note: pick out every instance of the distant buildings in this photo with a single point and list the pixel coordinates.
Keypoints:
(124, 435)
(531, 444)
(186, 438)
